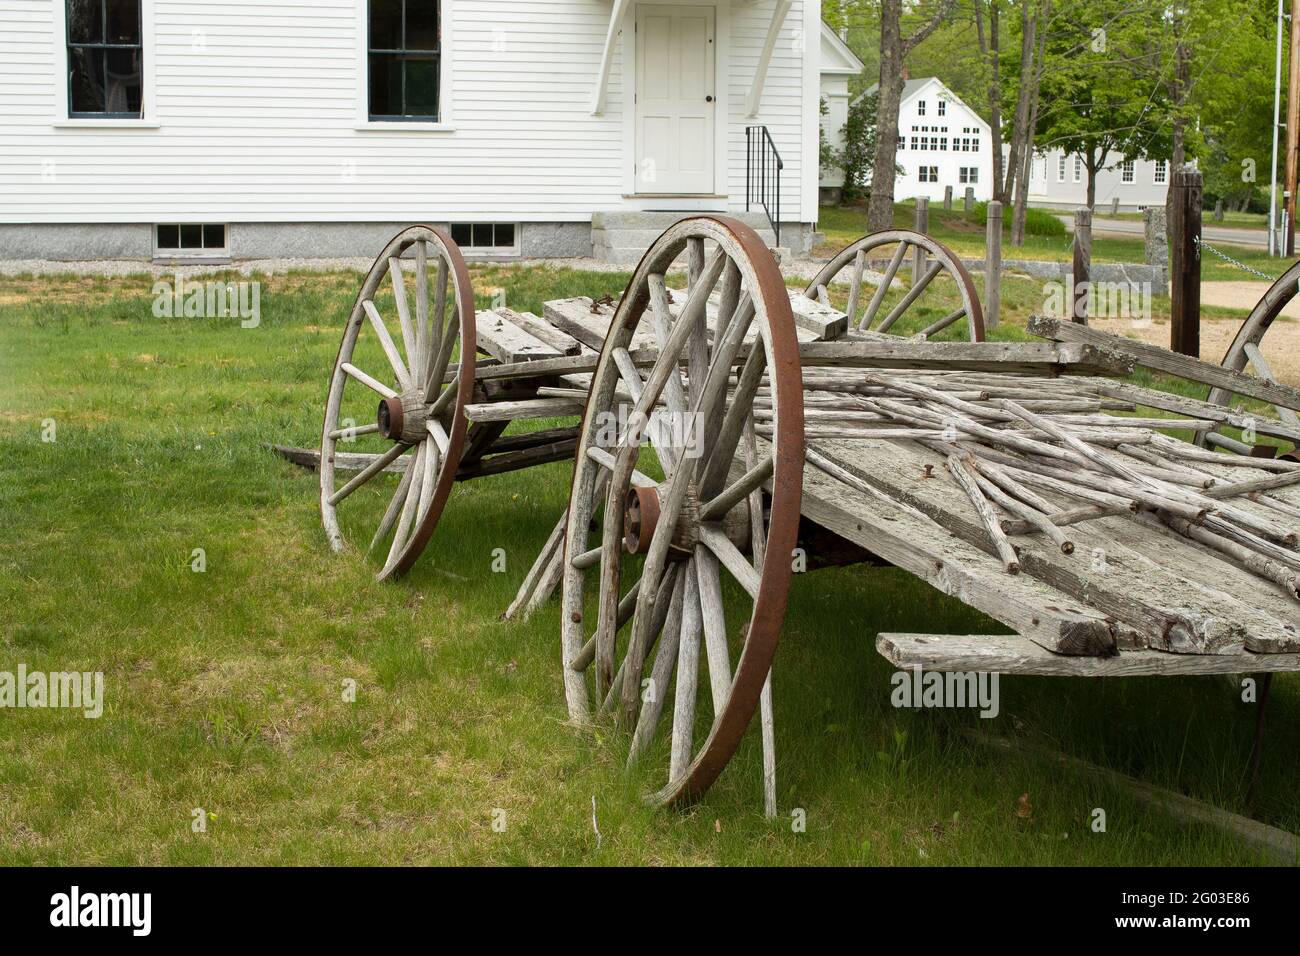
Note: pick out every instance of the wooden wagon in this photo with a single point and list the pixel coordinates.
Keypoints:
(732, 428)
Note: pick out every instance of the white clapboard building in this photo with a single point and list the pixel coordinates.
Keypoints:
(838, 65)
(941, 142)
(1059, 180)
(251, 128)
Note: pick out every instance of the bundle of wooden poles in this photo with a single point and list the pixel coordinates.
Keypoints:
(1036, 456)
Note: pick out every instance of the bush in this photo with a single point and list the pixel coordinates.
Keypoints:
(1038, 222)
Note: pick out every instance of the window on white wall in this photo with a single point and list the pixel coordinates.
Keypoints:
(1060, 169)
(1078, 169)
(943, 107)
(927, 174)
(969, 174)
(1126, 171)
(403, 53)
(1160, 175)
(105, 58)
(920, 107)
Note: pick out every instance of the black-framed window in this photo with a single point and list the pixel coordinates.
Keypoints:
(105, 58)
(484, 235)
(404, 52)
(191, 238)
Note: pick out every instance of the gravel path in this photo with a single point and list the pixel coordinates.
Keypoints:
(1281, 345)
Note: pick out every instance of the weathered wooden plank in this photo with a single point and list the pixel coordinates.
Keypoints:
(1195, 408)
(507, 342)
(1163, 360)
(1169, 612)
(1014, 654)
(539, 328)
(588, 322)
(890, 352)
(343, 460)
(906, 538)
(551, 407)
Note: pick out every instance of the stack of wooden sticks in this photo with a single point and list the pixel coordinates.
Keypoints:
(1036, 456)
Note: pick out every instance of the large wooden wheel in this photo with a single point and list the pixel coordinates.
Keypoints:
(393, 386)
(930, 259)
(1246, 351)
(644, 557)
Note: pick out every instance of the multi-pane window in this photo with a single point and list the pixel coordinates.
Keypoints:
(969, 174)
(105, 58)
(1126, 171)
(927, 174)
(1078, 169)
(484, 236)
(943, 107)
(920, 107)
(1161, 174)
(1060, 169)
(404, 52)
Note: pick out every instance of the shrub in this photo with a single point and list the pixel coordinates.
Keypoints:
(1038, 222)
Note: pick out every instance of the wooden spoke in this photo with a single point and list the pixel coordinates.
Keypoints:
(652, 702)
(369, 382)
(1264, 371)
(431, 423)
(727, 553)
(355, 430)
(715, 626)
(394, 509)
(386, 342)
(374, 468)
(873, 307)
(943, 323)
(679, 604)
(913, 294)
(855, 287)
(688, 675)
(420, 360)
(403, 312)
(742, 488)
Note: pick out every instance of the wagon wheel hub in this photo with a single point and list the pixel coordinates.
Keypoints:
(401, 418)
(641, 517)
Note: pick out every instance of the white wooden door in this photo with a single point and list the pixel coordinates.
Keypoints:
(675, 99)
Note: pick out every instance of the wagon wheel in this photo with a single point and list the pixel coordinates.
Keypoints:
(933, 259)
(674, 535)
(405, 390)
(1245, 350)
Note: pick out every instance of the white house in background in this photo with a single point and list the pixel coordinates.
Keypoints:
(839, 64)
(941, 142)
(1059, 180)
(242, 129)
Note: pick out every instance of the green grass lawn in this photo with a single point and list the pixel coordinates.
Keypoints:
(964, 234)
(225, 689)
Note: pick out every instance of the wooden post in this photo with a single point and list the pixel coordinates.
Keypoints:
(1185, 263)
(1218, 210)
(922, 225)
(1082, 271)
(993, 266)
(1292, 133)
(969, 199)
(1114, 206)
(947, 197)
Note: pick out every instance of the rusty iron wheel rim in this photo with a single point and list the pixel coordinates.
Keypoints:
(951, 265)
(430, 251)
(1252, 331)
(757, 276)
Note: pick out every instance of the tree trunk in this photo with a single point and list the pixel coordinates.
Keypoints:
(880, 211)
(991, 49)
(1020, 129)
(1019, 213)
(1093, 160)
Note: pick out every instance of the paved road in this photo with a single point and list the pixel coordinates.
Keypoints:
(1209, 232)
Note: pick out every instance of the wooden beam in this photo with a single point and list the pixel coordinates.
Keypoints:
(779, 12)
(1014, 654)
(616, 17)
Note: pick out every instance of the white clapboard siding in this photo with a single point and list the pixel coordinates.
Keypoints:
(256, 106)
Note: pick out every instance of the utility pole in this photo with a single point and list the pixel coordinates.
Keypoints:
(1277, 98)
(1292, 132)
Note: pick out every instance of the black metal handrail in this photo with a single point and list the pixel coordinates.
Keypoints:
(763, 175)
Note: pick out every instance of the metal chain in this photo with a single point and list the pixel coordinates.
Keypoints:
(1202, 244)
